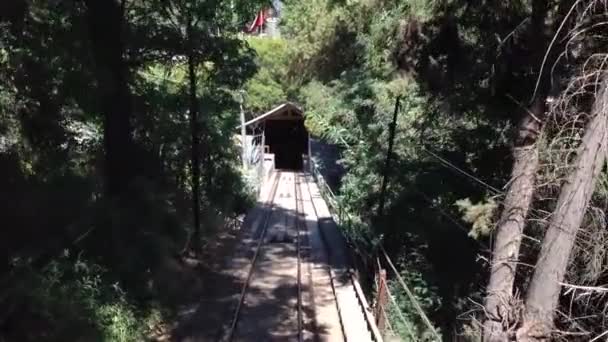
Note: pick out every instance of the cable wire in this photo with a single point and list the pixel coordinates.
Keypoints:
(451, 165)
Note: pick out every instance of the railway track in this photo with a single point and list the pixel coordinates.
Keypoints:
(299, 246)
(356, 321)
(269, 204)
(307, 322)
(287, 274)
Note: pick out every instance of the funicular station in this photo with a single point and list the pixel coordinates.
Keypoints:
(276, 140)
(297, 285)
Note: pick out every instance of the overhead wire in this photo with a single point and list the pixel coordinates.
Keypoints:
(469, 175)
(448, 216)
(476, 179)
(452, 166)
(446, 163)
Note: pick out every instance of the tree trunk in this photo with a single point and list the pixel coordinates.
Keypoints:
(195, 132)
(544, 290)
(105, 32)
(509, 231)
(507, 243)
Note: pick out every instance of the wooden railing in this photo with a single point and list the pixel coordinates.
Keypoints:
(388, 316)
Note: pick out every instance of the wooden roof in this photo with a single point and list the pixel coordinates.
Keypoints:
(276, 112)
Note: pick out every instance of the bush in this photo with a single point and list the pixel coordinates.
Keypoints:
(72, 299)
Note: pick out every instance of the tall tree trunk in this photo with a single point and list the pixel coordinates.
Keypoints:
(544, 290)
(507, 243)
(105, 20)
(195, 132)
(509, 231)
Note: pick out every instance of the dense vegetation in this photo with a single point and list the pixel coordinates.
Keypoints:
(117, 160)
(118, 164)
(494, 99)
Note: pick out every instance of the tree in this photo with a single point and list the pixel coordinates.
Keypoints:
(268, 87)
(510, 228)
(199, 32)
(545, 287)
(195, 134)
(94, 110)
(106, 27)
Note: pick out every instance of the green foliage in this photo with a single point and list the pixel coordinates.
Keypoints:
(322, 40)
(404, 317)
(76, 299)
(54, 159)
(263, 92)
(268, 87)
(480, 215)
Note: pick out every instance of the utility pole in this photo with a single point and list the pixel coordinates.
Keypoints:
(243, 132)
(389, 156)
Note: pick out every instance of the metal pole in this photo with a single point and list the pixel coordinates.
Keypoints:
(243, 132)
(389, 155)
(309, 154)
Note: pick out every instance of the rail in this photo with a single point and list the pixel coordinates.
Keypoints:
(237, 311)
(340, 216)
(384, 300)
(298, 224)
(332, 275)
(302, 254)
(330, 199)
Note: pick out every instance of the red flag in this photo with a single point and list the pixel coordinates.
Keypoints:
(258, 21)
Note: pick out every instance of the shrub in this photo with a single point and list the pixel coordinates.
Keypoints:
(72, 299)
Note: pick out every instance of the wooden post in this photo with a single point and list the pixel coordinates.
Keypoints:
(387, 163)
(381, 301)
(309, 154)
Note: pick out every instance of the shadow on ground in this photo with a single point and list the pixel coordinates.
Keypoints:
(269, 312)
